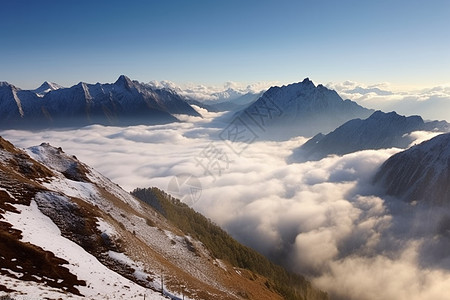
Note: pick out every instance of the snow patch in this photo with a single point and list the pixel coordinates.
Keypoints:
(220, 264)
(106, 228)
(102, 283)
(139, 273)
(76, 189)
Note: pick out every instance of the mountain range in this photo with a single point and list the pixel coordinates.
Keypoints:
(229, 93)
(66, 231)
(234, 104)
(124, 102)
(379, 131)
(299, 109)
(212, 99)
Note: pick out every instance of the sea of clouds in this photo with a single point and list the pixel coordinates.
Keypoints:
(322, 218)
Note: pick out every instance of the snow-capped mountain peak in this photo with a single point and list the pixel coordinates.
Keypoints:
(124, 81)
(46, 87)
(308, 108)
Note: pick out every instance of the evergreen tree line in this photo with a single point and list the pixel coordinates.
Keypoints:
(223, 246)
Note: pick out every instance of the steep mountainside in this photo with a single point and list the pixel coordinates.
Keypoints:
(421, 173)
(222, 246)
(68, 232)
(299, 109)
(124, 102)
(381, 130)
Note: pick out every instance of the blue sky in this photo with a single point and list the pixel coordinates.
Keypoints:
(406, 43)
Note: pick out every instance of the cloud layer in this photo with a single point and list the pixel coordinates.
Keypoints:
(432, 103)
(320, 218)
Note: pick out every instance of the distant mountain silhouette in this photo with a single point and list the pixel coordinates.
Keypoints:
(124, 102)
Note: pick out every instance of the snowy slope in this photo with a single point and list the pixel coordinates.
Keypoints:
(101, 282)
(420, 174)
(299, 109)
(55, 198)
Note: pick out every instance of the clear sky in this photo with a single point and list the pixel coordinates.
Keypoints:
(406, 43)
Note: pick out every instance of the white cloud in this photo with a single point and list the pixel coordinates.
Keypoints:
(319, 218)
(421, 136)
(381, 277)
(432, 103)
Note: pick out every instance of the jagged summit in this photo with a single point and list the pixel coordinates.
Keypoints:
(124, 81)
(49, 85)
(46, 87)
(379, 115)
(300, 109)
(301, 85)
(308, 82)
(395, 119)
(305, 81)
